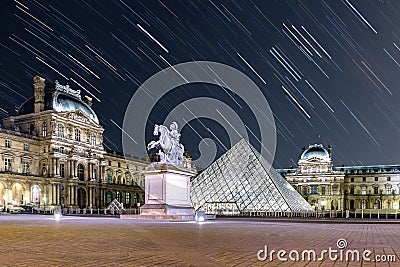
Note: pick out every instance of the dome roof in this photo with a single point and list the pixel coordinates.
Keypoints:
(59, 102)
(64, 102)
(315, 151)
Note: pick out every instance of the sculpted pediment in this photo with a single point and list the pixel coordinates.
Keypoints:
(79, 116)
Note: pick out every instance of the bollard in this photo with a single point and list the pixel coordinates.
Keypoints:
(362, 214)
(378, 214)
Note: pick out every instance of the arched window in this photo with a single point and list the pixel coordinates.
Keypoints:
(388, 204)
(108, 197)
(35, 194)
(60, 130)
(77, 135)
(81, 172)
(127, 198)
(119, 179)
(128, 179)
(44, 129)
(109, 180)
(93, 139)
(119, 196)
(364, 204)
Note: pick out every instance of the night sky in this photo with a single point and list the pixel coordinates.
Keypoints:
(329, 69)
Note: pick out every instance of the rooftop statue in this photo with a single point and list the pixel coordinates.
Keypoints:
(169, 148)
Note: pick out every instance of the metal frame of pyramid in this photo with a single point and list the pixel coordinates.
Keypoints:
(242, 181)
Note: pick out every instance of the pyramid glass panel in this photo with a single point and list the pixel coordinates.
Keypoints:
(242, 181)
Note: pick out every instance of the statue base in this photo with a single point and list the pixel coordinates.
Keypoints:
(167, 193)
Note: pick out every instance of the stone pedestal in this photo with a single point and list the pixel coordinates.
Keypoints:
(167, 193)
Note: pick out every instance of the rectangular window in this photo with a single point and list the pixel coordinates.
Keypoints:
(127, 198)
(388, 179)
(376, 179)
(109, 180)
(364, 179)
(62, 170)
(7, 164)
(363, 190)
(352, 190)
(26, 147)
(323, 190)
(61, 149)
(376, 190)
(128, 180)
(25, 167)
(314, 189)
(8, 144)
(388, 190)
(335, 190)
(352, 179)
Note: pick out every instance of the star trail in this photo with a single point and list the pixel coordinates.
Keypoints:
(330, 70)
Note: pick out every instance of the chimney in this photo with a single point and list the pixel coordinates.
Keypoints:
(38, 85)
(88, 100)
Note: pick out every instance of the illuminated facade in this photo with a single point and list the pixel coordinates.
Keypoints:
(344, 188)
(240, 182)
(52, 155)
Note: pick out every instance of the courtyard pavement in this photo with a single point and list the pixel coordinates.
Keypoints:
(39, 240)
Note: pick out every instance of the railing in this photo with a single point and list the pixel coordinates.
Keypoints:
(85, 211)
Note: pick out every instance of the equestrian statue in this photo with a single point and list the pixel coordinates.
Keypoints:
(170, 150)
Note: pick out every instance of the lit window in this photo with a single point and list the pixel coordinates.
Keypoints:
(388, 190)
(77, 135)
(60, 130)
(128, 180)
(363, 190)
(44, 129)
(119, 196)
(8, 143)
(35, 193)
(335, 190)
(26, 147)
(127, 198)
(364, 204)
(108, 197)
(25, 167)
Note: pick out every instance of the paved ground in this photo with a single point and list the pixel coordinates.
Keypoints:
(38, 240)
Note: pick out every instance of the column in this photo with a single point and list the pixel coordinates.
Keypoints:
(57, 197)
(57, 167)
(75, 195)
(74, 168)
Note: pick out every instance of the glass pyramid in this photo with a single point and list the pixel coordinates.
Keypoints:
(241, 181)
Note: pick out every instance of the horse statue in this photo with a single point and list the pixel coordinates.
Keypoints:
(169, 148)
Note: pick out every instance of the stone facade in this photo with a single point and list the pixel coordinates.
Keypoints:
(344, 188)
(52, 155)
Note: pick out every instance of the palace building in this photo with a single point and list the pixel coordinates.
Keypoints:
(326, 187)
(52, 155)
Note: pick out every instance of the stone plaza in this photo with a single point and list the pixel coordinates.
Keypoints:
(39, 240)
